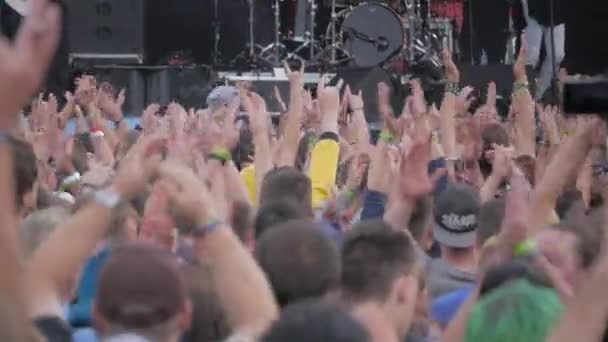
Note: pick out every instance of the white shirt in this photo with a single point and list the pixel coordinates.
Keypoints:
(20, 6)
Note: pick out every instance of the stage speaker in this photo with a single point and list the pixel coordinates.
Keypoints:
(189, 86)
(367, 80)
(107, 31)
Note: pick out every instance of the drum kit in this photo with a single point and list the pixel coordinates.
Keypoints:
(364, 34)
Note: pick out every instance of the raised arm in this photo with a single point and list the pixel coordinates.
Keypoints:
(260, 125)
(523, 106)
(585, 314)
(60, 258)
(23, 65)
(447, 123)
(291, 137)
(564, 166)
(240, 284)
(324, 156)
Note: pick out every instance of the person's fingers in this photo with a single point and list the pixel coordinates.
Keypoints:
(181, 176)
(152, 144)
(321, 84)
(347, 91)
(340, 84)
(302, 67)
(286, 67)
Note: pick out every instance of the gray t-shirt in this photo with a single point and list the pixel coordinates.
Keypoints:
(442, 277)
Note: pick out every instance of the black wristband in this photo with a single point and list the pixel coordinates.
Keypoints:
(329, 136)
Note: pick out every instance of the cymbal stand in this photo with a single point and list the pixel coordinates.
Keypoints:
(216, 33)
(276, 48)
(412, 28)
(334, 19)
(309, 41)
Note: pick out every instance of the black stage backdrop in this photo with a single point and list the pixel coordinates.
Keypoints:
(174, 25)
(586, 32)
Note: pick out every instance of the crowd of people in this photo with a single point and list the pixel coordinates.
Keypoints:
(454, 224)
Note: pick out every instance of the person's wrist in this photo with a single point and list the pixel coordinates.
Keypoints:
(328, 125)
(109, 197)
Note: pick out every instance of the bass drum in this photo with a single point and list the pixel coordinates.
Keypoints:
(371, 34)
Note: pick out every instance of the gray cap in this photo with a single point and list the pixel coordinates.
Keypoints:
(222, 96)
(455, 213)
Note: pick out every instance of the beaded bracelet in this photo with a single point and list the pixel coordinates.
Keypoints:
(207, 228)
(452, 88)
(518, 87)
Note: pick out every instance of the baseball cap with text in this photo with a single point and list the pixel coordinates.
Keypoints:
(455, 214)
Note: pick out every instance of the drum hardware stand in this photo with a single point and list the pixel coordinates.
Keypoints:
(334, 18)
(309, 40)
(276, 47)
(216, 34)
(249, 54)
(331, 50)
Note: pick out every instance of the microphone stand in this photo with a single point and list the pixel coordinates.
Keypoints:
(471, 50)
(553, 58)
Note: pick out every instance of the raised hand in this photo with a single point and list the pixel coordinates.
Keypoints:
(384, 98)
(24, 63)
(112, 106)
(329, 101)
(414, 179)
(502, 164)
(188, 194)
(464, 100)
(491, 96)
(548, 116)
(259, 119)
(295, 77)
(139, 165)
(519, 68)
(149, 121)
(452, 73)
(418, 104)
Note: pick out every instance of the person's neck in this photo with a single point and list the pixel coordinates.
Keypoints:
(464, 259)
(378, 322)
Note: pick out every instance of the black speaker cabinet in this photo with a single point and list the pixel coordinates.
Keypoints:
(107, 31)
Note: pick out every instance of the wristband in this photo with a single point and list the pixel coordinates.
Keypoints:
(350, 194)
(452, 88)
(207, 228)
(221, 154)
(97, 134)
(70, 180)
(526, 247)
(386, 137)
(518, 87)
(108, 198)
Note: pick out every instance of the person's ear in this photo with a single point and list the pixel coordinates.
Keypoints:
(184, 319)
(406, 290)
